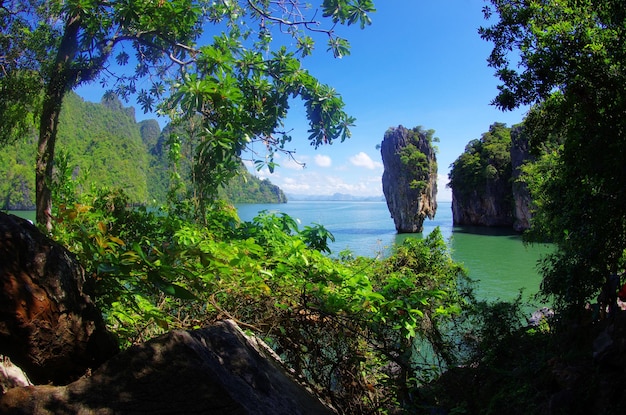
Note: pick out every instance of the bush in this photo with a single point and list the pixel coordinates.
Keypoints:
(352, 328)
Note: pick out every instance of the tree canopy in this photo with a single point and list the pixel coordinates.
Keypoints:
(95, 140)
(568, 60)
(237, 80)
(485, 162)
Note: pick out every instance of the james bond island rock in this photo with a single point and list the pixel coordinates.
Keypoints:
(48, 326)
(215, 370)
(410, 177)
(485, 189)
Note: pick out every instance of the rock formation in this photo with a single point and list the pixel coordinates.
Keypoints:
(492, 207)
(48, 326)
(410, 177)
(215, 370)
(484, 180)
(11, 376)
(520, 154)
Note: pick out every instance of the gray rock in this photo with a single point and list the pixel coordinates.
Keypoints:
(409, 205)
(520, 154)
(215, 370)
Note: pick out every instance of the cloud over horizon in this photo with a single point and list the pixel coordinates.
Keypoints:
(363, 160)
(323, 161)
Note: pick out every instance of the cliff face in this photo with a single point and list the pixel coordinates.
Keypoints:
(488, 207)
(484, 181)
(520, 153)
(109, 148)
(410, 177)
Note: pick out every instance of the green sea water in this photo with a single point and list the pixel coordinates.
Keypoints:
(496, 258)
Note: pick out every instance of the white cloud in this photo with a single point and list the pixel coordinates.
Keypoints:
(291, 185)
(363, 160)
(444, 193)
(308, 182)
(290, 164)
(322, 161)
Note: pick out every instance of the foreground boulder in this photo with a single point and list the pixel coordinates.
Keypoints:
(48, 326)
(215, 370)
(410, 177)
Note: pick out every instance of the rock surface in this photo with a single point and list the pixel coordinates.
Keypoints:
(491, 208)
(409, 205)
(520, 154)
(11, 376)
(215, 370)
(48, 326)
(494, 196)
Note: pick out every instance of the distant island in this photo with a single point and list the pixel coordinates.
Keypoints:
(336, 197)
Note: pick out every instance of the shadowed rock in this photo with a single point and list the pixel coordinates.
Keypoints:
(215, 370)
(48, 326)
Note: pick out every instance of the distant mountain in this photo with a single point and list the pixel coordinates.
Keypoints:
(337, 197)
(243, 188)
(107, 147)
(102, 143)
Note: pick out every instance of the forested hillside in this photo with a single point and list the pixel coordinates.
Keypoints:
(107, 147)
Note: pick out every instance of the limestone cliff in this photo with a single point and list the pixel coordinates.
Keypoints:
(484, 181)
(520, 154)
(410, 177)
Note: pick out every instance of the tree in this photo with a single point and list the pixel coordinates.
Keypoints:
(571, 65)
(415, 162)
(485, 163)
(239, 88)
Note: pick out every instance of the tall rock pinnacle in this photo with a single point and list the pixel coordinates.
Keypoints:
(410, 177)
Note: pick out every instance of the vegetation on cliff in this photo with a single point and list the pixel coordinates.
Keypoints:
(482, 180)
(410, 176)
(485, 164)
(106, 147)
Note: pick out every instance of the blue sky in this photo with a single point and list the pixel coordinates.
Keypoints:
(419, 63)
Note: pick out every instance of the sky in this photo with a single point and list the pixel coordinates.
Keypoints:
(420, 63)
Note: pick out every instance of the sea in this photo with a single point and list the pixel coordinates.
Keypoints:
(496, 258)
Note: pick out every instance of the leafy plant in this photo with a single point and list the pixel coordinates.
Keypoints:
(352, 328)
(486, 162)
(570, 66)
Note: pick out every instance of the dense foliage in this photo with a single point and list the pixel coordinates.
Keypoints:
(572, 68)
(416, 164)
(485, 164)
(246, 188)
(97, 140)
(238, 81)
(363, 332)
(106, 147)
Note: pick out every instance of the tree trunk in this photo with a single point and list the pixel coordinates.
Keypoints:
(60, 79)
(45, 157)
